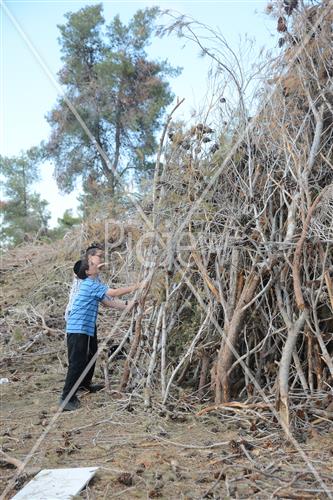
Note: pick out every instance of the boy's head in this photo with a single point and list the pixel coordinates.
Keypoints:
(76, 267)
(90, 263)
(89, 267)
(94, 246)
(95, 254)
(80, 268)
(95, 258)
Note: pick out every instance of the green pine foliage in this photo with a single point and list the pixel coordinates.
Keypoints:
(118, 92)
(65, 223)
(23, 212)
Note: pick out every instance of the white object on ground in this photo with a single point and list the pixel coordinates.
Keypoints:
(56, 484)
(4, 381)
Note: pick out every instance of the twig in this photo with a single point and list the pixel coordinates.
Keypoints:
(10, 460)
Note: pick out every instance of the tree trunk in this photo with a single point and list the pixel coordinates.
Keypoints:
(136, 340)
(203, 374)
(25, 200)
(227, 349)
(283, 377)
(108, 169)
(117, 146)
(134, 347)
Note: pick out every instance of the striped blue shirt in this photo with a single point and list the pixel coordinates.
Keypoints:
(83, 315)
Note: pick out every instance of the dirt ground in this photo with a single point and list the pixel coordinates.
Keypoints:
(169, 453)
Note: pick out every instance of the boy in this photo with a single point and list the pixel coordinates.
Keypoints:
(81, 324)
(94, 251)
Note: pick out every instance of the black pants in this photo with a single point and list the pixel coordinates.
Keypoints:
(81, 349)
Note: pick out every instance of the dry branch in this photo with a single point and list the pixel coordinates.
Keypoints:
(10, 460)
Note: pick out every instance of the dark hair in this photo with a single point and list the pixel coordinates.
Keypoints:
(76, 267)
(93, 246)
(84, 267)
(91, 252)
(81, 266)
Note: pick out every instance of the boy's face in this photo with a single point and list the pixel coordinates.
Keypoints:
(95, 262)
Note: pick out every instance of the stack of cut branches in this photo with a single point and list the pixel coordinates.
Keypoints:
(241, 299)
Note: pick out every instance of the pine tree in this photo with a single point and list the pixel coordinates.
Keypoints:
(23, 212)
(118, 92)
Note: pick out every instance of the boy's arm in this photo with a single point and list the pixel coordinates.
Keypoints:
(119, 292)
(118, 304)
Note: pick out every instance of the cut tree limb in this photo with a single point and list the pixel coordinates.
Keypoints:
(10, 460)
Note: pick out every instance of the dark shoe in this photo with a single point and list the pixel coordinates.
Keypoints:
(83, 388)
(96, 387)
(72, 404)
(91, 388)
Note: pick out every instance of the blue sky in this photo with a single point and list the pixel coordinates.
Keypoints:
(30, 60)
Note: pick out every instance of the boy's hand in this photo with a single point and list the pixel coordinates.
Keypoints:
(131, 304)
(144, 283)
(137, 286)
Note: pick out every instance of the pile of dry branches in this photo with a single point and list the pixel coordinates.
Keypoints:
(241, 253)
